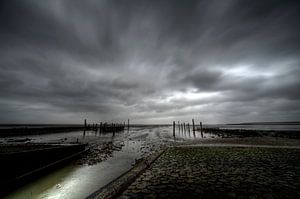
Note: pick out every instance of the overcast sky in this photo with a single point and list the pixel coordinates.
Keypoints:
(152, 61)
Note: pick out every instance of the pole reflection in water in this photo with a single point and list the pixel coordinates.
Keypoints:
(78, 181)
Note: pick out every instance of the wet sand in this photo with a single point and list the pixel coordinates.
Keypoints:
(277, 152)
(110, 156)
(220, 172)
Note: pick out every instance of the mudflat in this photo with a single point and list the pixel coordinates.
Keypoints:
(220, 172)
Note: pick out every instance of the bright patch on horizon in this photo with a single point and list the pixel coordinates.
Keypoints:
(191, 94)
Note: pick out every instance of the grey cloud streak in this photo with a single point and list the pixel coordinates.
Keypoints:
(151, 61)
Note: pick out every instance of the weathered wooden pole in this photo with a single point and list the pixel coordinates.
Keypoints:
(201, 129)
(178, 127)
(96, 128)
(84, 127)
(189, 127)
(174, 128)
(114, 129)
(184, 127)
(193, 125)
(100, 128)
(128, 124)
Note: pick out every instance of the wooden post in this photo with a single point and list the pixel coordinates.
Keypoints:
(189, 127)
(193, 124)
(85, 126)
(114, 129)
(128, 124)
(84, 123)
(178, 127)
(201, 129)
(100, 129)
(184, 126)
(96, 128)
(174, 128)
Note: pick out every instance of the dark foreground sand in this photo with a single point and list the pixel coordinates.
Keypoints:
(234, 166)
(220, 172)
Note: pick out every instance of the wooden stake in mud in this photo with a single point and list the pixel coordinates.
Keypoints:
(184, 127)
(174, 128)
(193, 125)
(201, 129)
(100, 128)
(84, 123)
(189, 127)
(113, 128)
(128, 125)
(178, 126)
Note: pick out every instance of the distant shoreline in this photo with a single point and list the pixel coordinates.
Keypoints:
(265, 123)
(136, 125)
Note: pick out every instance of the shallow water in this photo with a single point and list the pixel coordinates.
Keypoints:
(79, 181)
(280, 127)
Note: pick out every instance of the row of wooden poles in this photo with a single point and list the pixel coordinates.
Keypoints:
(184, 127)
(104, 127)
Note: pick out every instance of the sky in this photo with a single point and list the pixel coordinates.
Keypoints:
(153, 61)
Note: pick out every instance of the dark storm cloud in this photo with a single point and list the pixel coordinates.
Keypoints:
(152, 61)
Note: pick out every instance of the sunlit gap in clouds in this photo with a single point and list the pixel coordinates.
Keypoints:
(248, 71)
(188, 95)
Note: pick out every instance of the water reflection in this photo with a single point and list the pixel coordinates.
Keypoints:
(78, 181)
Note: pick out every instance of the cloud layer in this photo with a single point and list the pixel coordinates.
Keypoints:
(151, 61)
